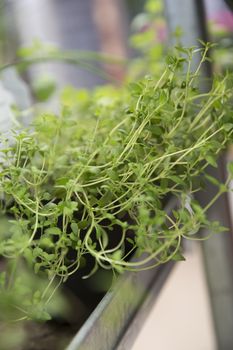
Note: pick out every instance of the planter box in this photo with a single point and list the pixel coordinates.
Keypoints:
(117, 319)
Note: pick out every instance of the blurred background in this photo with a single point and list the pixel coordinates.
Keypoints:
(195, 307)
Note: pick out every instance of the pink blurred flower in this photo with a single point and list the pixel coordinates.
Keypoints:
(223, 19)
(161, 30)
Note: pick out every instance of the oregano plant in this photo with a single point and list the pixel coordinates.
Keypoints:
(95, 179)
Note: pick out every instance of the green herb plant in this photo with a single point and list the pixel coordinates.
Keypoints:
(95, 179)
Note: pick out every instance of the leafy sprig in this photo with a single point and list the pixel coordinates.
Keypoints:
(94, 180)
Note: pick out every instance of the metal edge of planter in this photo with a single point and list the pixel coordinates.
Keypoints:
(133, 329)
(115, 322)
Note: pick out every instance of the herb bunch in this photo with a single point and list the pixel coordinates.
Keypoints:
(94, 180)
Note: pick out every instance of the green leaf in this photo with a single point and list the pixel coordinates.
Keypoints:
(53, 231)
(69, 207)
(212, 180)
(117, 255)
(41, 315)
(29, 256)
(156, 130)
(62, 181)
(37, 252)
(230, 168)
(2, 279)
(104, 239)
(130, 240)
(178, 257)
(83, 224)
(37, 267)
(44, 88)
(74, 228)
(211, 160)
(228, 126)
